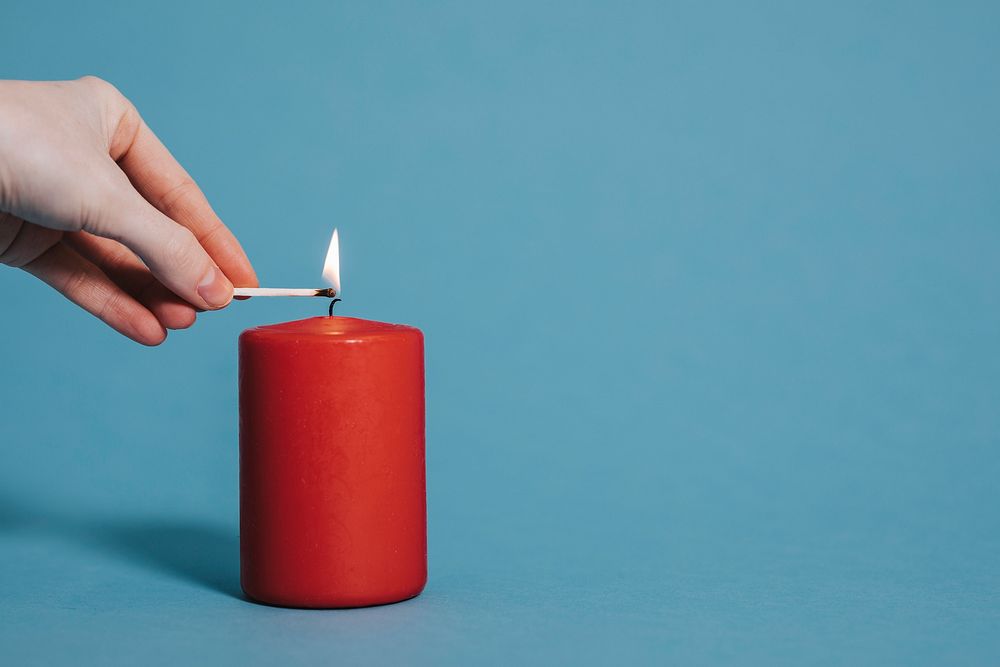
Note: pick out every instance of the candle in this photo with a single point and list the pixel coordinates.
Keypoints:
(332, 492)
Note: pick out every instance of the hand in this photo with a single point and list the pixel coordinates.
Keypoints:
(93, 204)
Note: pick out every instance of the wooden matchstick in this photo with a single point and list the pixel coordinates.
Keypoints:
(328, 292)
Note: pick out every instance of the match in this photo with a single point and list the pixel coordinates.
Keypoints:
(328, 292)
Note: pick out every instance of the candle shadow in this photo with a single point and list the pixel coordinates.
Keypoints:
(189, 549)
(201, 553)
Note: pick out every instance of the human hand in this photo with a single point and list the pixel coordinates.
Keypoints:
(93, 204)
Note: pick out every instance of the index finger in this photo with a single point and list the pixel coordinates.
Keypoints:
(164, 183)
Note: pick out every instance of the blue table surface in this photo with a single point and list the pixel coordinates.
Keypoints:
(711, 298)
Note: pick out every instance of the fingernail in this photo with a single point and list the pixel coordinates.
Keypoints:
(215, 289)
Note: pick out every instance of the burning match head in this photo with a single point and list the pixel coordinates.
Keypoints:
(328, 292)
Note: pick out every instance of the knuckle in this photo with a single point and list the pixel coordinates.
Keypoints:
(117, 258)
(100, 86)
(180, 249)
(91, 80)
(92, 216)
(10, 227)
(111, 305)
(75, 284)
(30, 243)
(125, 132)
(174, 198)
(101, 208)
(208, 236)
(119, 114)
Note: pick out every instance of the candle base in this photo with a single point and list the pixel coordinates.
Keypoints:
(337, 603)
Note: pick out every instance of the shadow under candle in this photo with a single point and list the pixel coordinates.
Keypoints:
(202, 553)
(189, 549)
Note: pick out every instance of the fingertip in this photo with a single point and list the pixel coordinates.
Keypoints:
(248, 279)
(141, 325)
(215, 289)
(186, 321)
(154, 342)
(171, 311)
(149, 334)
(250, 276)
(175, 315)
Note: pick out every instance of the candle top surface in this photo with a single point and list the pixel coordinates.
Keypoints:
(342, 328)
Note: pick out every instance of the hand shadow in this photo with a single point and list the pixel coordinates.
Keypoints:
(194, 550)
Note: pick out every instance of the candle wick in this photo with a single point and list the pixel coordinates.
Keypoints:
(333, 302)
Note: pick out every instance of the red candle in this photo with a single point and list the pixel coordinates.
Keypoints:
(332, 495)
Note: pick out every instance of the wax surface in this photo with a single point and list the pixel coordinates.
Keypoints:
(332, 492)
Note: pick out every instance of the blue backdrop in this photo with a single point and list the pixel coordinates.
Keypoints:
(711, 295)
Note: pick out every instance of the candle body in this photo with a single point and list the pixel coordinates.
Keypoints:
(332, 491)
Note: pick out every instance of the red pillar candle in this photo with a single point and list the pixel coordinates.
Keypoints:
(332, 495)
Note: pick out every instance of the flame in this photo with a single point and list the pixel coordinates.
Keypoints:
(331, 268)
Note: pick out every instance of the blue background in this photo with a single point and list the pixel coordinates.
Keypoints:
(711, 295)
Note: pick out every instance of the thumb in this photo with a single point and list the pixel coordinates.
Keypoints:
(172, 252)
